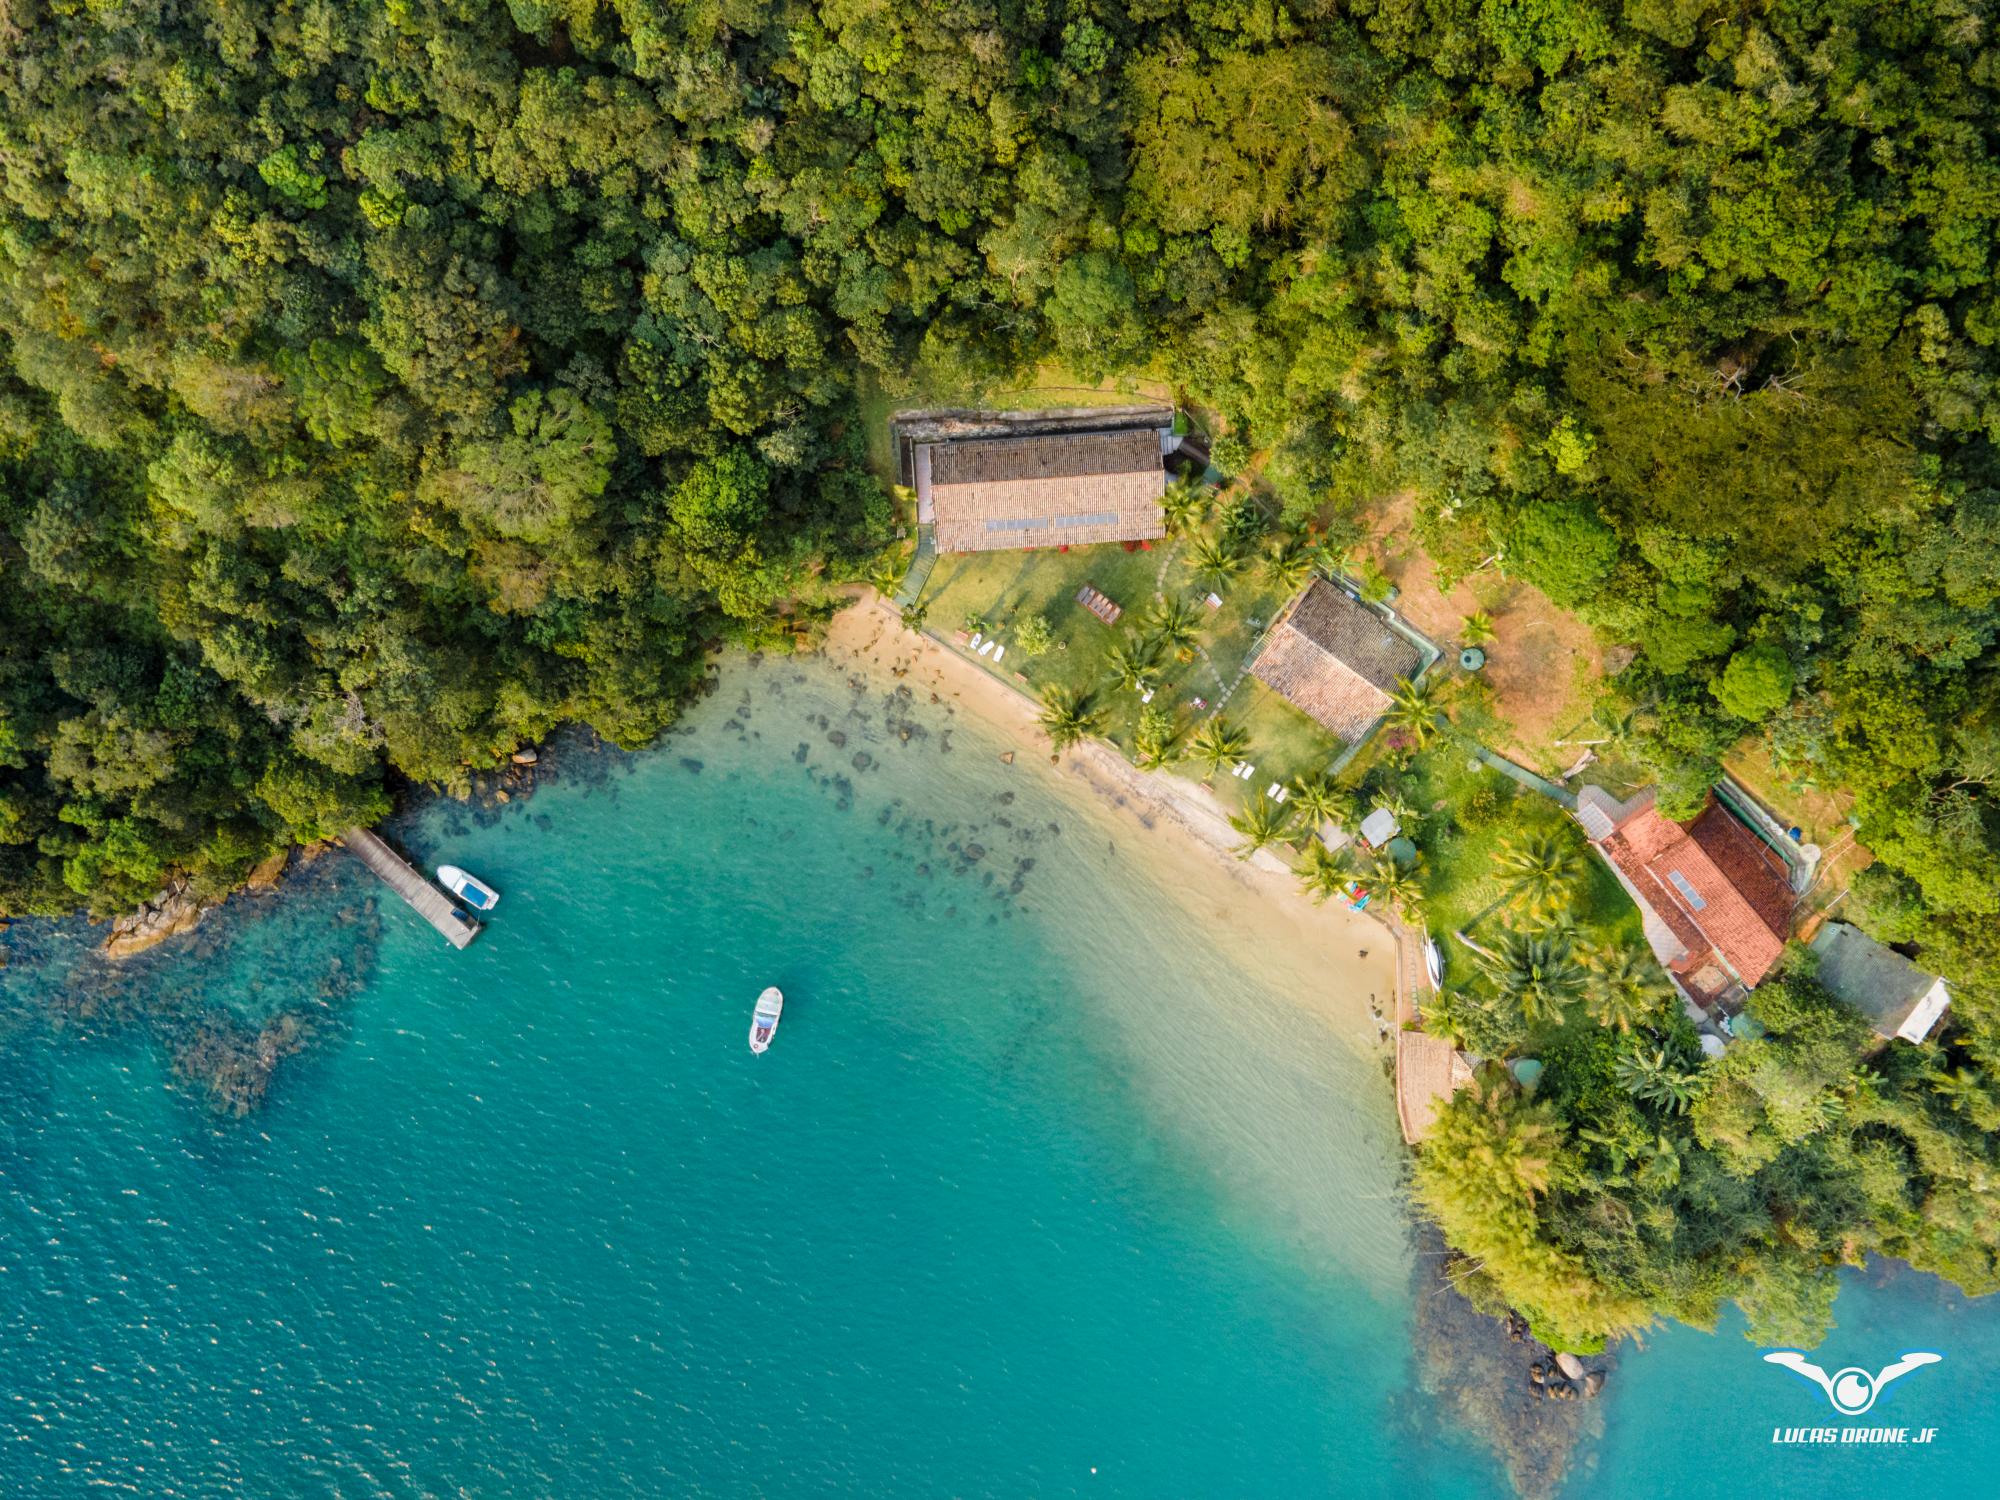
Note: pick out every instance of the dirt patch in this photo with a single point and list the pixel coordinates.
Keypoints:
(1543, 663)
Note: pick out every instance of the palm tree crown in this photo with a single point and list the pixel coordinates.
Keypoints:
(1539, 871)
(1325, 872)
(1623, 989)
(1536, 972)
(1216, 743)
(1260, 823)
(1069, 716)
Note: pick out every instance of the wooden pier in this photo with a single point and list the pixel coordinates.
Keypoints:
(454, 924)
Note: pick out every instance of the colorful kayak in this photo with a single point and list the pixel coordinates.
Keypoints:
(475, 893)
(764, 1019)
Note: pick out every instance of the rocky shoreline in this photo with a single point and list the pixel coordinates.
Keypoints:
(1534, 1407)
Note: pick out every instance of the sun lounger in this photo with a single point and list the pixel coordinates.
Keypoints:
(1275, 792)
(987, 649)
(977, 637)
(1147, 696)
(998, 652)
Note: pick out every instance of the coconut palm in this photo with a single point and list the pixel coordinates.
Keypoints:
(1185, 505)
(1653, 1078)
(1538, 871)
(1401, 886)
(1216, 743)
(1134, 662)
(1289, 563)
(1325, 872)
(1156, 738)
(1321, 799)
(1413, 711)
(1176, 626)
(886, 576)
(1536, 973)
(1624, 988)
(1260, 824)
(1214, 560)
(1477, 629)
(1069, 716)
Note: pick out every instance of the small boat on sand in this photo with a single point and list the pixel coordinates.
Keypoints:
(764, 1019)
(474, 892)
(1433, 962)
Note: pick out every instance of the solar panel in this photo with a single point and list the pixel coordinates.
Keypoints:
(1687, 891)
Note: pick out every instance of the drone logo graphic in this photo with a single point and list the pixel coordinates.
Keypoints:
(1852, 1390)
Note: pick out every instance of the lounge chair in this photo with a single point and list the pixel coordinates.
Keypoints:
(987, 649)
(977, 637)
(1147, 696)
(998, 652)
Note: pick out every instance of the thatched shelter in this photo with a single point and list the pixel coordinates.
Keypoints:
(1429, 1070)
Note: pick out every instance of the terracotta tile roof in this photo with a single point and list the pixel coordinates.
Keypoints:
(1063, 489)
(1336, 660)
(1708, 885)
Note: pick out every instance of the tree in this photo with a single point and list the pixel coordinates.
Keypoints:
(1413, 712)
(1215, 743)
(1535, 973)
(1756, 683)
(1156, 737)
(1650, 1076)
(1033, 638)
(1186, 504)
(1538, 872)
(1476, 629)
(1623, 988)
(1289, 563)
(1261, 823)
(1068, 717)
(1325, 872)
(1320, 799)
(1399, 886)
(1213, 559)
(1176, 626)
(1133, 663)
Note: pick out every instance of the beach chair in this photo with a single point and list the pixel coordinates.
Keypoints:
(1147, 696)
(977, 637)
(998, 652)
(1275, 792)
(987, 649)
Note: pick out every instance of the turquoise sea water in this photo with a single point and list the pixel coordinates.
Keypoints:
(1043, 1189)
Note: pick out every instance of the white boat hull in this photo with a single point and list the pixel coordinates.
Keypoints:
(764, 1019)
(473, 891)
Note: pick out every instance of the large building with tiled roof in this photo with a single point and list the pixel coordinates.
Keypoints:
(1052, 489)
(1717, 902)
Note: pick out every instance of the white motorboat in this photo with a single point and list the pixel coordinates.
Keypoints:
(1433, 962)
(764, 1019)
(474, 892)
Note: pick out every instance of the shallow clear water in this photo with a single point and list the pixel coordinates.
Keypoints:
(1044, 1175)
(1037, 1177)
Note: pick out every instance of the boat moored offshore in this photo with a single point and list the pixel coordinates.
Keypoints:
(764, 1019)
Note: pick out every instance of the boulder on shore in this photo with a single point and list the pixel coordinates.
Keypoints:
(266, 873)
(170, 913)
(1570, 1365)
(525, 757)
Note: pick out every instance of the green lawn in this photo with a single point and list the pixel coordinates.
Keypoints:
(1000, 590)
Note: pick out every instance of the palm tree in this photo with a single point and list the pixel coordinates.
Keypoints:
(1068, 717)
(886, 576)
(1215, 743)
(1290, 563)
(1213, 560)
(1413, 712)
(1325, 872)
(1260, 823)
(1176, 626)
(1652, 1078)
(1320, 800)
(1156, 739)
(1133, 663)
(1536, 973)
(1477, 629)
(1623, 989)
(1400, 886)
(1185, 505)
(1537, 871)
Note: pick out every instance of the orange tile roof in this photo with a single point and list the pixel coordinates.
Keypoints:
(1710, 883)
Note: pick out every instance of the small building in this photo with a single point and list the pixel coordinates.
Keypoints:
(1429, 1070)
(1716, 901)
(1336, 660)
(1047, 489)
(1900, 1000)
(1379, 827)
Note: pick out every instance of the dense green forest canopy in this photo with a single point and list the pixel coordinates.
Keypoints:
(382, 384)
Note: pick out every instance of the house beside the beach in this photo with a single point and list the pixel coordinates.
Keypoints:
(1715, 899)
(1068, 488)
(1901, 1001)
(1336, 660)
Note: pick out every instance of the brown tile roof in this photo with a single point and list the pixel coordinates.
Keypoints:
(1064, 489)
(1336, 660)
(1711, 888)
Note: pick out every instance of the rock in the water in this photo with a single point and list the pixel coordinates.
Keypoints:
(266, 874)
(525, 757)
(1570, 1365)
(170, 913)
(1006, 757)
(1593, 1382)
(1536, 1374)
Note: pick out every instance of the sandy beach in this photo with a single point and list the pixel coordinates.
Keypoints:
(1339, 964)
